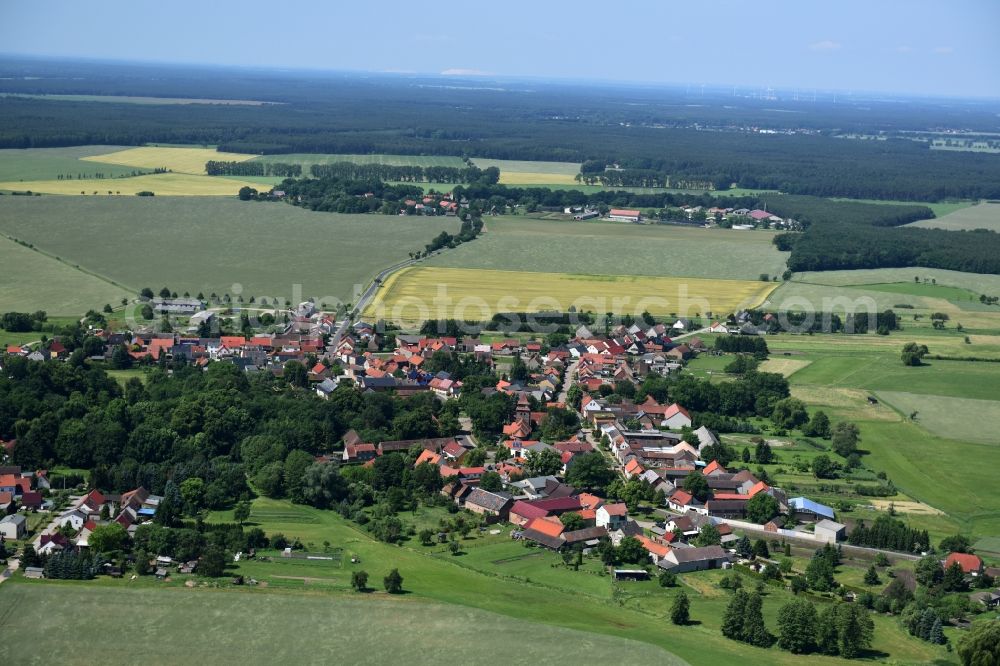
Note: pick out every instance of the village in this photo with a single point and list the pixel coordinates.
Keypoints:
(685, 510)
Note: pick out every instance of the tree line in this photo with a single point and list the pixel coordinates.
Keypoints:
(252, 168)
(406, 174)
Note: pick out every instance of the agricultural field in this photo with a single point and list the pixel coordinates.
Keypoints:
(52, 163)
(519, 172)
(617, 248)
(210, 244)
(958, 418)
(72, 171)
(180, 160)
(981, 216)
(955, 403)
(308, 159)
(423, 292)
(161, 184)
(34, 281)
(216, 625)
(940, 208)
(953, 293)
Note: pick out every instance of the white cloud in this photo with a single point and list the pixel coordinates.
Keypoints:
(943, 50)
(904, 49)
(825, 45)
(459, 71)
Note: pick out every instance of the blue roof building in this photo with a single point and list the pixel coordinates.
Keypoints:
(804, 505)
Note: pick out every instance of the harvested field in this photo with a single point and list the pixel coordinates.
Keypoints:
(437, 293)
(180, 160)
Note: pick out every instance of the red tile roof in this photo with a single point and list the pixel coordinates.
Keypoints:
(616, 509)
(552, 527)
(967, 561)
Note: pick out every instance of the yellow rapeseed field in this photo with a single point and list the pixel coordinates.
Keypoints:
(419, 293)
(180, 160)
(163, 184)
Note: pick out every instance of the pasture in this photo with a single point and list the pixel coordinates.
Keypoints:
(180, 160)
(161, 184)
(427, 292)
(957, 418)
(182, 626)
(981, 216)
(956, 405)
(209, 244)
(617, 248)
(33, 281)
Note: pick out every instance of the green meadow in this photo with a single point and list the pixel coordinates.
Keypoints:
(981, 216)
(610, 248)
(50, 163)
(35, 281)
(183, 626)
(945, 457)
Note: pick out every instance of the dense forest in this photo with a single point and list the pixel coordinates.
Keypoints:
(850, 234)
(651, 135)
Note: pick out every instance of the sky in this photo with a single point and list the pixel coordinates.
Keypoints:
(941, 47)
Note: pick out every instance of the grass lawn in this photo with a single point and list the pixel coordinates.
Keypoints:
(609, 248)
(422, 292)
(183, 626)
(203, 245)
(33, 281)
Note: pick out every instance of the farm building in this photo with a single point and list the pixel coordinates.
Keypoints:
(681, 560)
(806, 509)
(830, 531)
(182, 306)
(13, 527)
(970, 564)
(625, 215)
(491, 504)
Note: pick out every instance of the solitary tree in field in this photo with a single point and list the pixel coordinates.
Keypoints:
(680, 611)
(241, 512)
(393, 582)
(359, 580)
(913, 353)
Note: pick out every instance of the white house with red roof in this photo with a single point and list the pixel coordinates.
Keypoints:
(676, 417)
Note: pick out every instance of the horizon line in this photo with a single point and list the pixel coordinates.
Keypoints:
(462, 74)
